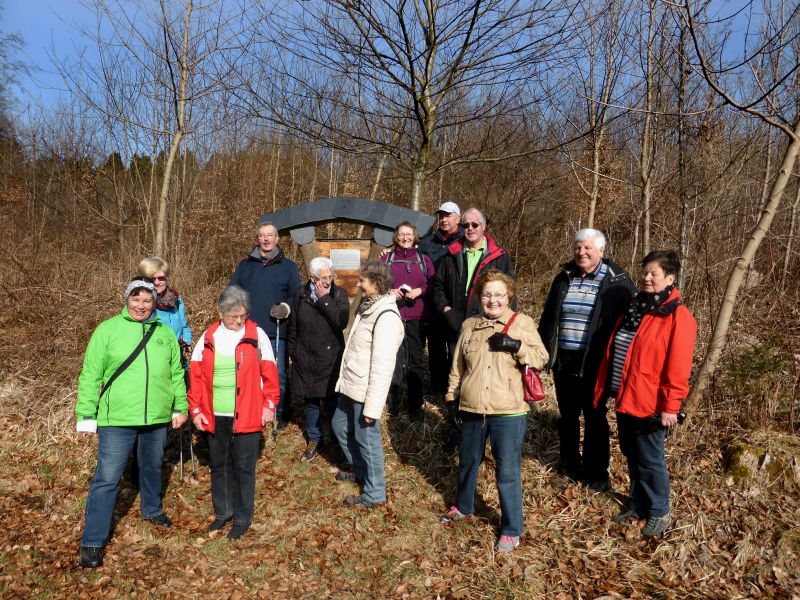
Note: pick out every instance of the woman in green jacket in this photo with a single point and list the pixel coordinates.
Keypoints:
(130, 388)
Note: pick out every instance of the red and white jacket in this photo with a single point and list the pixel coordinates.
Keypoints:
(655, 377)
(257, 384)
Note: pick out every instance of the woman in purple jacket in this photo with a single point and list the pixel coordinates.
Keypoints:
(412, 274)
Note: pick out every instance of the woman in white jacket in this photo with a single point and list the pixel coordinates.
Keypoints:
(364, 379)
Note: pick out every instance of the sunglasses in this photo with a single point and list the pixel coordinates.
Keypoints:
(471, 225)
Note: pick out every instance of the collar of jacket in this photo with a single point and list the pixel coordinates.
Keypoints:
(670, 305)
(305, 291)
(250, 334)
(382, 301)
(151, 319)
(501, 320)
(492, 249)
(450, 239)
(255, 254)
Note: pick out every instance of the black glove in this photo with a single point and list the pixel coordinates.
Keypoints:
(502, 342)
(452, 414)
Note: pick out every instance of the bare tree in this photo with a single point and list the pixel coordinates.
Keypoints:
(387, 78)
(759, 100)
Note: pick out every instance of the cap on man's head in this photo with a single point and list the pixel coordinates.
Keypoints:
(449, 207)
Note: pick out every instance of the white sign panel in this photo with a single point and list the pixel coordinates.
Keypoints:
(346, 259)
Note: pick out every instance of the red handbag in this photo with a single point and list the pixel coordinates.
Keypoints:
(531, 381)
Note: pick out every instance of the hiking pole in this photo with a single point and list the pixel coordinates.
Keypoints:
(191, 448)
(180, 451)
(278, 312)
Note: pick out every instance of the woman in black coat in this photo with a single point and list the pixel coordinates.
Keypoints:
(315, 342)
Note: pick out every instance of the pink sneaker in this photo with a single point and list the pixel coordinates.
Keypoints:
(507, 543)
(452, 516)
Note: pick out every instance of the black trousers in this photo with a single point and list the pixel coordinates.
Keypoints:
(233, 471)
(575, 395)
(415, 366)
(440, 354)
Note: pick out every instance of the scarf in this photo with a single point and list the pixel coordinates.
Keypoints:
(642, 304)
(312, 292)
(270, 256)
(367, 304)
(168, 300)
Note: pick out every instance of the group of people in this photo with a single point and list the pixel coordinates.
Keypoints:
(453, 291)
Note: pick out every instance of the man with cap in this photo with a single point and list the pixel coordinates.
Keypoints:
(272, 281)
(435, 245)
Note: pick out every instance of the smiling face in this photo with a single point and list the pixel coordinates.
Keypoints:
(404, 238)
(140, 305)
(367, 287)
(494, 299)
(161, 281)
(653, 279)
(448, 222)
(324, 279)
(474, 228)
(587, 256)
(234, 320)
(267, 239)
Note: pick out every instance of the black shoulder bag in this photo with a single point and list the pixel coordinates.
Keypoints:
(130, 359)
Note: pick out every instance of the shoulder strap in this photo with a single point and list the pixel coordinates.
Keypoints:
(131, 358)
(421, 262)
(390, 257)
(510, 321)
(375, 324)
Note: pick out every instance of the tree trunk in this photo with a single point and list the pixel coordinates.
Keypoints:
(790, 239)
(735, 279)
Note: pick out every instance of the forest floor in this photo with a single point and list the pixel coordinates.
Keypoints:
(728, 540)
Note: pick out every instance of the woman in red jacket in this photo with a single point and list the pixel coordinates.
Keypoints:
(234, 383)
(646, 369)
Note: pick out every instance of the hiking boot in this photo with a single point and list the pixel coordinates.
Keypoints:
(91, 557)
(656, 526)
(237, 531)
(627, 515)
(161, 520)
(452, 516)
(217, 524)
(599, 487)
(312, 449)
(507, 543)
(360, 501)
(345, 476)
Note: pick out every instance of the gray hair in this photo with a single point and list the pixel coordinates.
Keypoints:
(265, 224)
(591, 234)
(380, 274)
(233, 297)
(319, 264)
(476, 210)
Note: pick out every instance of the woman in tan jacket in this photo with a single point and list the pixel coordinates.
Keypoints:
(486, 391)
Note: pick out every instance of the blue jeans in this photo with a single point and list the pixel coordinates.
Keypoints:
(114, 447)
(232, 458)
(642, 443)
(283, 411)
(317, 409)
(505, 435)
(362, 447)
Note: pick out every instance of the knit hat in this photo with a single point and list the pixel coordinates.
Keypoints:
(138, 283)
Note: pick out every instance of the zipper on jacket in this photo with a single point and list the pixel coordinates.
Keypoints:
(146, 377)
(238, 364)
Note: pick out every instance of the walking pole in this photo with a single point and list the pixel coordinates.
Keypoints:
(180, 450)
(278, 312)
(191, 448)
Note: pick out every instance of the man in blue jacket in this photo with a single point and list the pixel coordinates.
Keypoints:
(271, 279)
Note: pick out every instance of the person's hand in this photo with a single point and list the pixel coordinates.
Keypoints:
(321, 288)
(414, 294)
(369, 421)
(447, 309)
(280, 311)
(669, 420)
(384, 252)
(179, 420)
(452, 414)
(267, 416)
(398, 294)
(502, 342)
(200, 422)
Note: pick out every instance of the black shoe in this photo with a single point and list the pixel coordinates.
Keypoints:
(218, 524)
(237, 531)
(345, 476)
(360, 501)
(91, 557)
(627, 515)
(312, 449)
(599, 487)
(573, 474)
(282, 425)
(161, 520)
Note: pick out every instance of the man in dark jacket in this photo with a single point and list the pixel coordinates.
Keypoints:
(271, 279)
(435, 245)
(454, 286)
(583, 305)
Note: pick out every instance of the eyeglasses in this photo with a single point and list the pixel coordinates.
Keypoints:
(241, 317)
(267, 236)
(471, 225)
(491, 297)
(325, 279)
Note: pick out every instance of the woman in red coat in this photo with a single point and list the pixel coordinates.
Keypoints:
(646, 369)
(233, 396)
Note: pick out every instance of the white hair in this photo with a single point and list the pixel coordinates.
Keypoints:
(233, 297)
(591, 234)
(319, 264)
(475, 210)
